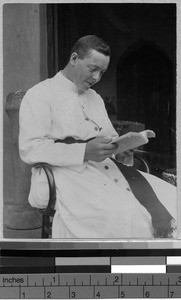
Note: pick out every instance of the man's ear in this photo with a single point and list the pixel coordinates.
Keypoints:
(73, 58)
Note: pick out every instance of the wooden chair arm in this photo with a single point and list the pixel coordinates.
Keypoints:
(144, 166)
(49, 211)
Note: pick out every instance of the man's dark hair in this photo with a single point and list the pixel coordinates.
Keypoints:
(90, 42)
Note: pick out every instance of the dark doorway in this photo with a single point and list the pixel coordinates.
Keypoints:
(146, 94)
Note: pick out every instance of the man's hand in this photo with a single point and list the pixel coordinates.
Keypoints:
(99, 149)
(126, 157)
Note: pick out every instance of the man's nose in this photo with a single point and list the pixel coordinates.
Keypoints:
(96, 76)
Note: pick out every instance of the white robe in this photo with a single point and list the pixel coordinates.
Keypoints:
(92, 201)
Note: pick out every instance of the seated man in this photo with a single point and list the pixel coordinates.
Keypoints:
(63, 122)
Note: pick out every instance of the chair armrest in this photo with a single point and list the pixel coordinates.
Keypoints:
(144, 164)
(50, 210)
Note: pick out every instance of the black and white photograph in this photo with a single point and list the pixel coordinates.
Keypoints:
(90, 120)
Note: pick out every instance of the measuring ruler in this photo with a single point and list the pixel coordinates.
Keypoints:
(89, 286)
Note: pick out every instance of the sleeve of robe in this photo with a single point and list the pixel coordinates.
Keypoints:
(35, 141)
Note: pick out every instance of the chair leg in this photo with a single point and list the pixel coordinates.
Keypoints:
(45, 225)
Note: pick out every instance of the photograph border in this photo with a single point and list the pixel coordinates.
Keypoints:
(150, 247)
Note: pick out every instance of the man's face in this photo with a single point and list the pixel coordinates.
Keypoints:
(89, 70)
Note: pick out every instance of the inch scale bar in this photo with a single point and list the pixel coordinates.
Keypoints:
(89, 286)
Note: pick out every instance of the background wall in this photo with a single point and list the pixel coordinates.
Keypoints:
(24, 57)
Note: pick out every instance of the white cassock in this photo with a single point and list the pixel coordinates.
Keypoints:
(93, 199)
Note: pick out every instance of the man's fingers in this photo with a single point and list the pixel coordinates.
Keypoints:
(104, 140)
(130, 152)
(109, 148)
(108, 151)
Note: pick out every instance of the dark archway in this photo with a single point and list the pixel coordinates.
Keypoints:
(146, 94)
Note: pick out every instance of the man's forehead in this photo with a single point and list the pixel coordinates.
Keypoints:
(95, 53)
(97, 58)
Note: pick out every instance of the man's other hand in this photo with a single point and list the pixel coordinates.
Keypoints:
(99, 149)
